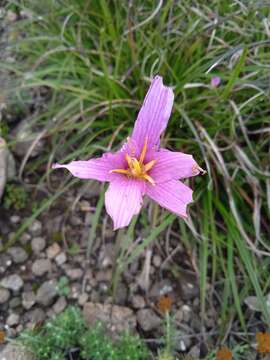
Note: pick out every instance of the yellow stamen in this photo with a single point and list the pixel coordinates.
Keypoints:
(148, 178)
(149, 165)
(143, 151)
(121, 171)
(136, 168)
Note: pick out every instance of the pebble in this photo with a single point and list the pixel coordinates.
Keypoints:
(157, 261)
(38, 244)
(15, 352)
(83, 298)
(12, 282)
(25, 238)
(13, 319)
(4, 295)
(53, 250)
(15, 219)
(116, 318)
(47, 293)
(147, 319)
(15, 302)
(35, 228)
(18, 254)
(28, 299)
(74, 274)
(138, 302)
(60, 305)
(41, 267)
(61, 259)
(186, 313)
(35, 316)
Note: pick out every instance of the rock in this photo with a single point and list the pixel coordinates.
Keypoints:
(138, 302)
(107, 255)
(186, 313)
(157, 261)
(35, 228)
(104, 275)
(117, 318)
(74, 274)
(13, 319)
(15, 219)
(15, 302)
(7, 165)
(161, 288)
(5, 261)
(61, 259)
(38, 244)
(60, 305)
(189, 287)
(253, 303)
(53, 250)
(41, 267)
(24, 135)
(18, 254)
(25, 238)
(83, 298)
(34, 316)
(4, 295)
(12, 282)
(121, 294)
(28, 299)
(47, 293)
(148, 320)
(15, 352)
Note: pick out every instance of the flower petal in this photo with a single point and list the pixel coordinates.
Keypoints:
(173, 165)
(172, 195)
(154, 114)
(97, 169)
(123, 199)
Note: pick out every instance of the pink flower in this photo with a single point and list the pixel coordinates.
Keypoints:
(141, 167)
(215, 81)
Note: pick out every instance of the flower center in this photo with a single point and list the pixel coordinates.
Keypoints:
(136, 168)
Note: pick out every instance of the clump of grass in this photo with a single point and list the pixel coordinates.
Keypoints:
(68, 332)
(90, 62)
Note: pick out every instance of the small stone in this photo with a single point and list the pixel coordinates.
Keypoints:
(104, 275)
(4, 295)
(47, 293)
(15, 352)
(107, 255)
(121, 294)
(187, 312)
(38, 244)
(18, 254)
(60, 305)
(41, 267)
(12, 282)
(35, 316)
(13, 319)
(116, 318)
(35, 228)
(138, 302)
(15, 219)
(15, 302)
(157, 261)
(83, 298)
(61, 259)
(25, 238)
(53, 250)
(28, 299)
(74, 274)
(148, 320)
